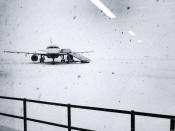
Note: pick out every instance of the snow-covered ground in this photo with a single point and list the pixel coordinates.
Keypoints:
(126, 72)
(130, 84)
(2, 128)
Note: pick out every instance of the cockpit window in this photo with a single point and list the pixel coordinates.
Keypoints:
(51, 47)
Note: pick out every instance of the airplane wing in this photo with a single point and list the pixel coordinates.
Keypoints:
(80, 57)
(84, 52)
(26, 53)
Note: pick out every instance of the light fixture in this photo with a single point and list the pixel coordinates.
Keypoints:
(131, 33)
(103, 8)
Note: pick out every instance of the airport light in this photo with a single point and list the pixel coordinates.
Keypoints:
(103, 8)
(131, 33)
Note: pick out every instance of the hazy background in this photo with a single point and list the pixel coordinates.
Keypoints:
(126, 72)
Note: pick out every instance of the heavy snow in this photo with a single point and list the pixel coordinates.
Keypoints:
(129, 72)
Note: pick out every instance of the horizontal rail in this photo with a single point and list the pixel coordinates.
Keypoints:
(47, 103)
(101, 109)
(155, 115)
(44, 122)
(124, 112)
(9, 115)
(94, 108)
(55, 124)
(105, 109)
(11, 98)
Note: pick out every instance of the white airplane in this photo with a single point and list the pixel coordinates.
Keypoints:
(53, 52)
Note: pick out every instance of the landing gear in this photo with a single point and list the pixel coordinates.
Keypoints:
(83, 62)
(53, 60)
(63, 60)
(42, 58)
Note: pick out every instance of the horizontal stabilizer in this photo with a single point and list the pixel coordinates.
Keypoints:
(80, 57)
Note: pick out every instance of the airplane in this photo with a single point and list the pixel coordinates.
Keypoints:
(54, 52)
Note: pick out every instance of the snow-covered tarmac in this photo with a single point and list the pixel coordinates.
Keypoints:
(130, 84)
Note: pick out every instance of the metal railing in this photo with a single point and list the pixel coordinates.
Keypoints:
(69, 107)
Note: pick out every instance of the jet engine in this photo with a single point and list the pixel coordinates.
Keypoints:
(34, 57)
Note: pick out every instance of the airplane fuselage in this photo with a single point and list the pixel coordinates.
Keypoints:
(53, 51)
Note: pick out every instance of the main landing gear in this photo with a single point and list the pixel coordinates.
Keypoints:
(63, 60)
(42, 58)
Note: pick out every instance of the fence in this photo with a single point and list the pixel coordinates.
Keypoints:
(69, 107)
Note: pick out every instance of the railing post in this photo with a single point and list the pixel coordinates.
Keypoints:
(69, 116)
(25, 114)
(172, 124)
(132, 121)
